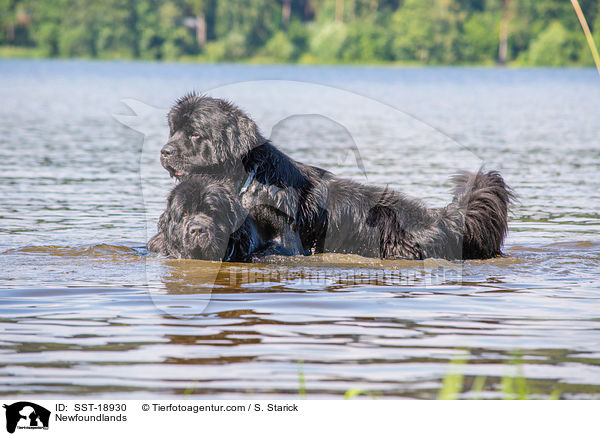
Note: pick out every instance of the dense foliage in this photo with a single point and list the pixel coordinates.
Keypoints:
(531, 32)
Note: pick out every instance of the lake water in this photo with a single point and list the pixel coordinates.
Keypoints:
(85, 310)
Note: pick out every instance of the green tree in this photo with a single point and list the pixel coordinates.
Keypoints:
(177, 40)
(327, 41)
(116, 36)
(596, 27)
(365, 42)
(46, 25)
(78, 28)
(7, 21)
(540, 32)
(427, 31)
(586, 55)
(554, 46)
(246, 25)
(147, 29)
(199, 8)
(280, 47)
(481, 37)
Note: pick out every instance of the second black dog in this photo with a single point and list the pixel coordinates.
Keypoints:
(205, 220)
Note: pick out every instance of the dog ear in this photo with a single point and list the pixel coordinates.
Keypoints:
(157, 243)
(162, 221)
(249, 136)
(234, 139)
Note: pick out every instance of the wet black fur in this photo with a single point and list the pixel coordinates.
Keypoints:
(378, 222)
(306, 209)
(205, 220)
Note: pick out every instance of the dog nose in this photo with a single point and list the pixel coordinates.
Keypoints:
(167, 151)
(197, 229)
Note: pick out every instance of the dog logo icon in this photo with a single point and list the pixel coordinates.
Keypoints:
(26, 415)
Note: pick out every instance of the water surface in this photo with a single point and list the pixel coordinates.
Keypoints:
(85, 310)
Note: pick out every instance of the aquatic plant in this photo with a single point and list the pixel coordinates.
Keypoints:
(512, 387)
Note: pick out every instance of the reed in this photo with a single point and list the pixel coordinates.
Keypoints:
(588, 34)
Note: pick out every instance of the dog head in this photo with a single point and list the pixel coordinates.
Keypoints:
(202, 213)
(207, 135)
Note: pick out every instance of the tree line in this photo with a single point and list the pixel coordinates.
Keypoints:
(524, 32)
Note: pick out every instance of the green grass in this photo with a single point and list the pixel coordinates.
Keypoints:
(301, 380)
(7, 51)
(351, 393)
(511, 387)
(452, 384)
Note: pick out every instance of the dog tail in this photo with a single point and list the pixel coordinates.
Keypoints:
(483, 199)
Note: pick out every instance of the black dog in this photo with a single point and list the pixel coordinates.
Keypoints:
(378, 222)
(205, 220)
(286, 198)
(308, 210)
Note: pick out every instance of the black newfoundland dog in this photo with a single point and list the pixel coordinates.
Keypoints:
(305, 209)
(205, 220)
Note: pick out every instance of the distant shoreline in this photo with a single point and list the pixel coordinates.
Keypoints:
(16, 52)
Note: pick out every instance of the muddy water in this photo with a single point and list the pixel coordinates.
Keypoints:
(85, 310)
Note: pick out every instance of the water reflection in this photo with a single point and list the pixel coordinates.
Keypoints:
(327, 272)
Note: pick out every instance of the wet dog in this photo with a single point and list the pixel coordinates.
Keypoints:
(285, 198)
(378, 222)
(306, 209)
(205, 220)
